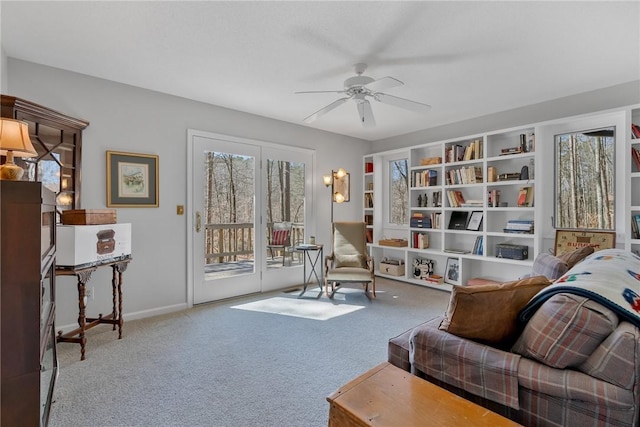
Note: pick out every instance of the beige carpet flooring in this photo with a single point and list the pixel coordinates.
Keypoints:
(214, 365)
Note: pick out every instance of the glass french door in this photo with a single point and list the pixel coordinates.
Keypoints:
(238, 190)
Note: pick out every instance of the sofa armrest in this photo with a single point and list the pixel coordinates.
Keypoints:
(568, 384)
(476, 368)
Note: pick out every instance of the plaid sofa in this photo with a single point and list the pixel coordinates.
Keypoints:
(575, 363)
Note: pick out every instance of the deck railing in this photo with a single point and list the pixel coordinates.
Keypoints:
(234, 242)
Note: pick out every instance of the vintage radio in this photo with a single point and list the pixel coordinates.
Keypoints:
(505, 250)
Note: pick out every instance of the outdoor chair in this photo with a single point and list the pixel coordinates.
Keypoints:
(280, 239)
(349, 261)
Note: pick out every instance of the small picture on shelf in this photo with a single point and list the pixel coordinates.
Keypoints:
(452, 271)
(475, 221)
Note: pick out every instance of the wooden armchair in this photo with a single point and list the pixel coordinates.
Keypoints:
(349, 261)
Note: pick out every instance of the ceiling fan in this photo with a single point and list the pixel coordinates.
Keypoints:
(360, 88)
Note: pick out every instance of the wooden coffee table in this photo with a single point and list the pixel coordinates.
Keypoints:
(389, 396)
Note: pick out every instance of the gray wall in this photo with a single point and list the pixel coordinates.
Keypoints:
(596, 100)
(131, 119)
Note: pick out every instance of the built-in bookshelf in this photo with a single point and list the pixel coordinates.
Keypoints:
(495, 183)
(634, 180)
(450, 180)
(368, 204)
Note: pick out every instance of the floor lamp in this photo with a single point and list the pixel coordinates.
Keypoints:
(329, 181)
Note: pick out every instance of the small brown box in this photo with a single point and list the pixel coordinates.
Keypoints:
(393, 242)
(89, 217)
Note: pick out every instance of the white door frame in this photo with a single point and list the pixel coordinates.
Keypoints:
(310, 196)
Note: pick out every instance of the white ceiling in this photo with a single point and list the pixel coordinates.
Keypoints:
(466, 59)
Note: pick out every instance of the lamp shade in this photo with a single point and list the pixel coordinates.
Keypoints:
(14, 137)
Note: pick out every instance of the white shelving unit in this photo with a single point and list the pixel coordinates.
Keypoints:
(494, 218)
(634, 183)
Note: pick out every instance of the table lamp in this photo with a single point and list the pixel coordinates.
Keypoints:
(14, 141)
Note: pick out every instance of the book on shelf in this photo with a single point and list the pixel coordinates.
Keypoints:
(525, 197)
(492, 174)
(472, 204)
(477, 247)
(456, 199)
(420, 240)
(635, 225)
(369, 235)
(426, 178)
(509, 176)
(368, 167)
(434, 278)
(511, 150)
(493, 198)
(635, 155)
(635, 131)
(524, 226)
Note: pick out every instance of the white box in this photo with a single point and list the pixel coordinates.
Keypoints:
(392, 269)
(91, 244)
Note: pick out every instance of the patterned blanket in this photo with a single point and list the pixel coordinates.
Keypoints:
(610, 277)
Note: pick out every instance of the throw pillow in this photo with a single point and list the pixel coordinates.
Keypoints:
(549, 266)
(565, 330)
(489, 313)
(574, 257)
(355, 260)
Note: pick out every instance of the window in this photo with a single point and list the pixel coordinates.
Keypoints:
(585, 179)
(398, 192)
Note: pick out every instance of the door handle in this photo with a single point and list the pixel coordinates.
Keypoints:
(198, 222)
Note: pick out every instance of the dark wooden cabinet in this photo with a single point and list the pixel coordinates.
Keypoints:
(27, 302)
(58, 140)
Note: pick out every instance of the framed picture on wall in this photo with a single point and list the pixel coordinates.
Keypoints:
(132, 180)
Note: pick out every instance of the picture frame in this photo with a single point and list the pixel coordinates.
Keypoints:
(341, 185)
(475, 221)
(452, 271)
(569, 240)
(132, 180)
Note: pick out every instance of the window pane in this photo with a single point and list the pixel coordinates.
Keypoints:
(398, 191)
(585, 179)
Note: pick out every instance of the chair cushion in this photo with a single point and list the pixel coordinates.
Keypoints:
(574, 257)
(565, 331)
(279, 237)
(354, 260)
(549, 266)
(349, 274)
(489, 312)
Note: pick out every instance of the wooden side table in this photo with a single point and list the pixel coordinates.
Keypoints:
(83, 273)
(389, 396)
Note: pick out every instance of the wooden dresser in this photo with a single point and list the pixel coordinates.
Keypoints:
(27, 312)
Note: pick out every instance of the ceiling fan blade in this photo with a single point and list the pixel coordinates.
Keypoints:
(384, 83)
(366, 114)
(418, 107)
(325, 110)
(320, 91)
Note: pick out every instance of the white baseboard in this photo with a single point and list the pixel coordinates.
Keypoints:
(135, 315)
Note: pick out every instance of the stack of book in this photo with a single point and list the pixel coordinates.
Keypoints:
(522, 226)
(420, 220)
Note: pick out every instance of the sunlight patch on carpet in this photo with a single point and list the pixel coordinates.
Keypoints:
(315, 310)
